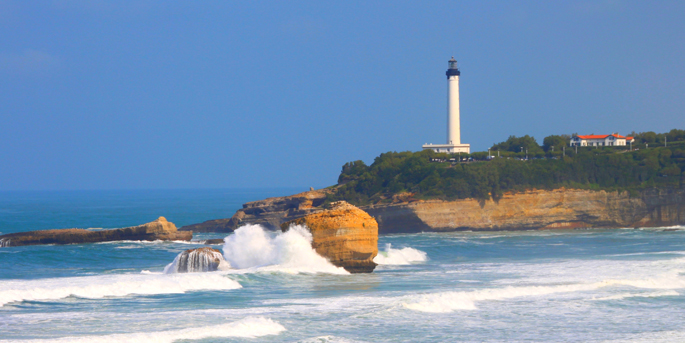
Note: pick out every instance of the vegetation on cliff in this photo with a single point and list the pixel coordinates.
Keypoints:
(430, 175)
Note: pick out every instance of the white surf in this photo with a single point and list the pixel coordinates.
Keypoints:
(251, 247)
(250, 327)
(402, 256)
(117, 285)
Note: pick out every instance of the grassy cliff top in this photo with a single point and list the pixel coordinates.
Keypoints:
(430, 175)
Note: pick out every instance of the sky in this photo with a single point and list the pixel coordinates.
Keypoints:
(221, 94)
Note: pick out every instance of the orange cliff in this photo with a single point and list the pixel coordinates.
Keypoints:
(536, 209)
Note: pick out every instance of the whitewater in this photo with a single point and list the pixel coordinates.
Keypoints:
(553, 286)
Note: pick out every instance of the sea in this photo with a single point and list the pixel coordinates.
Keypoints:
(619, 285)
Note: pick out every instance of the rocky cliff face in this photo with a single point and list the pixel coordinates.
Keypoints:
(270, 212)
(344, 234)
(535, 209)
(159, 229)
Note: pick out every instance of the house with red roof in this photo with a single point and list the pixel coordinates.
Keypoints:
(613, 139)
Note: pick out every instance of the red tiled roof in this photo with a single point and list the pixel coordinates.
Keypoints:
(593, 136)
(603, 136)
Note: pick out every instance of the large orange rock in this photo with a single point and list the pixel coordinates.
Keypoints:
(159, 229)
(344, 234)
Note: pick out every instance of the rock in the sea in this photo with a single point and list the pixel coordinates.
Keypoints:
(198, 260)
(344, 234)
(159, 229)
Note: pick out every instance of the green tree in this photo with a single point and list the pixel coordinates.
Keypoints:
(352, 171)
(556, 141)
(648, 137)
(676, 135)
(515, 144)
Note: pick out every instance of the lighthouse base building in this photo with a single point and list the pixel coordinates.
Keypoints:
(453, 144)
(449, 148)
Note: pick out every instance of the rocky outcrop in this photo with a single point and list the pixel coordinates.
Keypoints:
(159, 229)
(198, 260)
(270, 212)
(344, 234)
(533, 209)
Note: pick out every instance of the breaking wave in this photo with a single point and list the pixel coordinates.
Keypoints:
(251, 247)
(450, 301)
(250, 327)
(400, 256)
(328, 339)
(94, 287)
(639, 295)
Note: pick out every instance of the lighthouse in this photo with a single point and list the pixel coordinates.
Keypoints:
(453, 144)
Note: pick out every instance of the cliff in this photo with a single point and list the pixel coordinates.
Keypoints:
(270, 212)
(536, 209)
(533, 209)
(344, 234)
(159, 229)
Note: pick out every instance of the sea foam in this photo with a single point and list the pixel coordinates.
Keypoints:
(450, 301)
(328, 339)
(251, 247)
(117, 285)
(444, 302)
(250, 327)
(399, 256)
(622, 296)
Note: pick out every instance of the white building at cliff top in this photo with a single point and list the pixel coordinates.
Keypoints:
(613, 139)
(453, 128)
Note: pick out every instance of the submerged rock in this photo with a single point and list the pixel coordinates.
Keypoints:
(198, 260)
(159, 229)
(344, 234)
(213, 241)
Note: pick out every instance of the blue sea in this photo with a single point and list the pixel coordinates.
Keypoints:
(621, 285)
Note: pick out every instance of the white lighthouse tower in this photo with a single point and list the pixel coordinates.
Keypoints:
(453, 128)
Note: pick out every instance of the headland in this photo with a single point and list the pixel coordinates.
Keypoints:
(537, 187)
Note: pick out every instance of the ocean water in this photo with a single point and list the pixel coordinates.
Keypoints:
(622, 285)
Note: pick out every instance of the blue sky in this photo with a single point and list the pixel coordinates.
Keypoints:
(165, 94)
